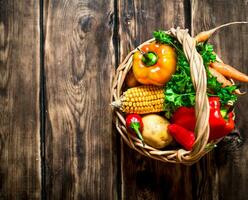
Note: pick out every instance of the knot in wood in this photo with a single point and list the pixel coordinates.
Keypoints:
(86, 23)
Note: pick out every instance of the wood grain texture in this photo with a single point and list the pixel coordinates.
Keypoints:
(79, 61)
(224, 175)
(81, 148)
(19, 100)
(144, 178)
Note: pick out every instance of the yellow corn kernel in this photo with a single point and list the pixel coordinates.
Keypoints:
(143, 99)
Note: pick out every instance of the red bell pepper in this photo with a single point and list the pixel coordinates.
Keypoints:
(219, 127)
(183, 136)
(185, 117)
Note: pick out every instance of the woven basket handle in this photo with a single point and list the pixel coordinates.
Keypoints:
(199, 80)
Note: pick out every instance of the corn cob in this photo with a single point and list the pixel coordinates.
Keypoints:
(141, 100)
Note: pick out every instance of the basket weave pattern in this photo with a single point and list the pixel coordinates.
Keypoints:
(199, 80)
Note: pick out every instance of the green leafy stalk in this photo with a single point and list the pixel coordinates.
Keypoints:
(136, 126)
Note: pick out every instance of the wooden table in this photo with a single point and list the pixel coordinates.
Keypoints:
(57, 141)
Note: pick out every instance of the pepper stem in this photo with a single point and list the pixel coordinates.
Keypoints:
(135, 126)
(149, 58)
(142, 52)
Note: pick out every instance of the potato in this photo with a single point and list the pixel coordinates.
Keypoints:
(155, 131)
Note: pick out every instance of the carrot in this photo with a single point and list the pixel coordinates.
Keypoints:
(222, 79)
(229, 71)
(205, 35)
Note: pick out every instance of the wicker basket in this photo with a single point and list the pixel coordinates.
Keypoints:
(199, 80)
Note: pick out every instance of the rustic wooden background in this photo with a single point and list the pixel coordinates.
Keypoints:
(57, 141)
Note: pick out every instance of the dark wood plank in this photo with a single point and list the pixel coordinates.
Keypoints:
(143, 178)
(224, 175)
(20, 176)
(79, 61)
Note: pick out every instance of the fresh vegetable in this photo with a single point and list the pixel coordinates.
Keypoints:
(226, 94)
(179, 91)
(206, 51)
(219, 77)
(131, 81)
(154, 64)
(134, 124)
(222, 80)
(185, 117)
(183, 136)
(205, 35)
(155, 131)
(219, 126)
(229, 71)
(225, 82)
(142, 99)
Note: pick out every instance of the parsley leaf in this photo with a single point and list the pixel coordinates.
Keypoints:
(206, 50)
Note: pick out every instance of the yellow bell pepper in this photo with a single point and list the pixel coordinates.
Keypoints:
(154, 64)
